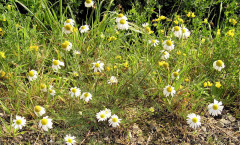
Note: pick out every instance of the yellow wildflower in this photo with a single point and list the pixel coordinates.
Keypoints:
(203, 40)
(176, 22)
(181, 87)
(2, 73)
(162, 31)
(218, 32)
(162, 17)
(108, 68)
(126, 64)
(34, 48)
(230, 33)
(179, 52)
(205, 84)
(118, 57)
(117, 32)
(151, 109)
(205, 21)
(209, 84)
(187, 80)
(193, 15)
(218, 85)
(184, 54)
(9, 7)
(2, 54)
(160, 63)
(188, 14)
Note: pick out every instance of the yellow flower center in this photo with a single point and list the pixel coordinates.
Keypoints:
(219, 63)
(31, 73)
(86, 95)
(64, 45)
(102, 115)
(114, 120)
(176, 28)
(148, 29)
(169, 89)
(70, 140)
(120, 15)
(165, 64)
(175, 74)
(153, 41)
(88, 1)
(74, 90)
(50, 91)
(68, 27)
(44, 121)
(165, 53)
(37, 108)
(215, 107)
(83, 27)
(106, 112)
(68, 20)
(122, 21)
(194, 120)
(18, 122)
(169, 42)
(42, 86)
(55, 62)
(97, 65)
(183, 30)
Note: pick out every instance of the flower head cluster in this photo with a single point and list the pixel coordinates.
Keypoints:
(122, 22)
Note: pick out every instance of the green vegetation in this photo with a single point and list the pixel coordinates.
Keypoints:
(32, 36)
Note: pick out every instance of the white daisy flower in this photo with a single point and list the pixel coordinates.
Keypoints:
(98, 66)
(154, 42)
(177, 31)
(45, 123)
(101, 116)
(51, 91)
(56, 64)
(114, 121)
(67, 28)
(19, 122)
(185, 33)
(215, 108)
(75, 92)
(108, 112)
(70, 140)
(86, 96)
(218, 65)
(165, 55)
(175, 75)
(123, 24)
(169, 90)
(168, 45)
(120, 17)
(75, 52)
(39, 111)
(43, 88)
(66, 45)
(145, 25)
(89, 3)
(69, 21)
(84, 28)
(32, 75)
(112, 80)
(194, 120)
